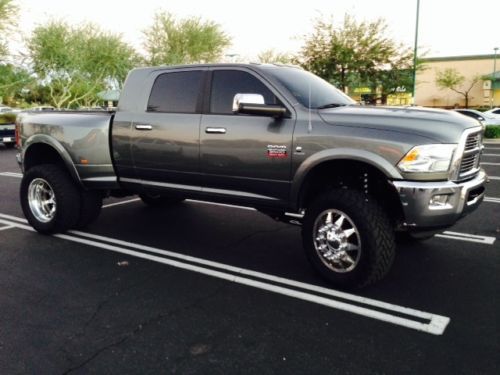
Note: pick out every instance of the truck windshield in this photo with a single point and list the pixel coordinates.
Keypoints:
(310, 90)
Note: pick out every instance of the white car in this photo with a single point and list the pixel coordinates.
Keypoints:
(43, 108)
(495, 112)
(483, 117)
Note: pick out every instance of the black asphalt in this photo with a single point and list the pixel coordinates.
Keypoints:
(73, 308)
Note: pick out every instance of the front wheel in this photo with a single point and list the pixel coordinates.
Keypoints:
(348, 238)
(50, 199)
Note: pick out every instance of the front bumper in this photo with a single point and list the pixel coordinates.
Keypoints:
(419, 201)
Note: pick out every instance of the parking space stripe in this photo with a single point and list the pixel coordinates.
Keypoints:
(11, 174)
(221, 204)
(467, 237)
(7, 227)
(492, 200)
(121, 202)
(488, 163)
(494, 177)
(491, 155)
(436, 323)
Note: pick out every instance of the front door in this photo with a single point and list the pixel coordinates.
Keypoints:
(246, 156)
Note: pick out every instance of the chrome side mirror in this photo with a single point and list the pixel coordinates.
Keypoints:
(254, 104)
(246, 99)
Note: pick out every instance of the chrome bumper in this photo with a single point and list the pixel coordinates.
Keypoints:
(439, 204)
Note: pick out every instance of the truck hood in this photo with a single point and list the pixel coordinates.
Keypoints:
(435, 124)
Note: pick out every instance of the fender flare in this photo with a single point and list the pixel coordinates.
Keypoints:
(347, 154)
(58, 147)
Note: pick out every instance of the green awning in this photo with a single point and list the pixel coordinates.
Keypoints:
(493, 76)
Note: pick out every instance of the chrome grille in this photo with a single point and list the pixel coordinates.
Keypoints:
(473, 141)
(469, 165)
(469, 162)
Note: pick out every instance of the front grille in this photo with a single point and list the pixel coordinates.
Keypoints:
(473, 142)
(469, 165)
(469, 162)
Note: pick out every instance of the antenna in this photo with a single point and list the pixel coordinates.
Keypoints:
(309, 125)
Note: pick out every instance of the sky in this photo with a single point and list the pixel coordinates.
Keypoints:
(446, 28)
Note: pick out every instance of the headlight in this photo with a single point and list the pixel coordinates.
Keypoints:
(428, 158)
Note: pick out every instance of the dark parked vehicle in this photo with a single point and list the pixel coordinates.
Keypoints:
(275, 138)
(8, 135)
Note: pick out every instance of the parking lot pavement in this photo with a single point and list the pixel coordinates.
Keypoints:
(203, 288)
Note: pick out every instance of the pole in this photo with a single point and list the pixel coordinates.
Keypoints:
(415, 53)
(493, 76)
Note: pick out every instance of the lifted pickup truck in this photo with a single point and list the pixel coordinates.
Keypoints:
(272, 137)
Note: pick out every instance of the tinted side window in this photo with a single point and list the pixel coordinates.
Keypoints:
(227, 83)
(176, 92)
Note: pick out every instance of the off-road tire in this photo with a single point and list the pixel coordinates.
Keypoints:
(376, 234)
(66, 194)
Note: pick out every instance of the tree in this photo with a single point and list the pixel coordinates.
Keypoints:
(397, 77)
(270, 56)
(75, 63)
(8, 14)
(451, 79)
(170, 41)
(13, 82)
(353, 53)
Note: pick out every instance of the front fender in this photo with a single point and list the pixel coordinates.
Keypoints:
(347, 154)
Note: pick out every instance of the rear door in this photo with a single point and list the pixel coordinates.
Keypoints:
(244, 156)
(165, 138)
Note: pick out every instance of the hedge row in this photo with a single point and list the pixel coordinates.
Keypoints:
(7, 118)
(492, 131)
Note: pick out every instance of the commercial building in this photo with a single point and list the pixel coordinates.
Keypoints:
(484, 93)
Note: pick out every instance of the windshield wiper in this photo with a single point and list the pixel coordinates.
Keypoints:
(331, 105)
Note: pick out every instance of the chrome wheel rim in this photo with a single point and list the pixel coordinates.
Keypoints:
(42, 200)
(337, 241)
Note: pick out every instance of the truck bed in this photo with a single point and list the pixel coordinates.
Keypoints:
(83, 137)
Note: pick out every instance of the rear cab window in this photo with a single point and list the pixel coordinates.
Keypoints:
(176, 92)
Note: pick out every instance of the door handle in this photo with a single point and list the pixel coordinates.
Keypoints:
(215, 130)
(143, 127)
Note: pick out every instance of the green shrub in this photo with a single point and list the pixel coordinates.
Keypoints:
(492, 131)
(7, 118)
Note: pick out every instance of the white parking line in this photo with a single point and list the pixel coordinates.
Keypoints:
(488, 163)
(494, 177)
(7, 227)
(492, 200)
(436, 323)
(120, 203)
(11, 174)
(221, 204)
(498, 155)
(467, 237)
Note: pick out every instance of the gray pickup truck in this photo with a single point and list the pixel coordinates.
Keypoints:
(275, 138)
